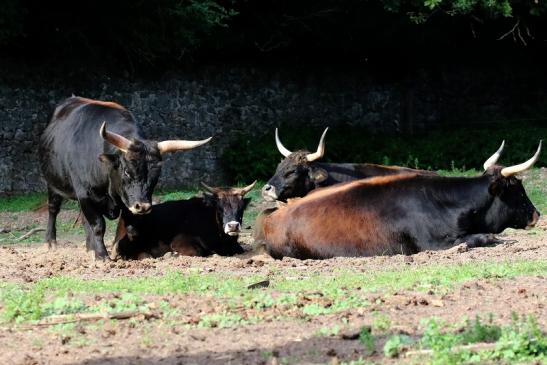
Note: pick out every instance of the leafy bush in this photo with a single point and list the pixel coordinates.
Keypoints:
(395, 344)
(520, 341)
(459, 149)
(366, 338)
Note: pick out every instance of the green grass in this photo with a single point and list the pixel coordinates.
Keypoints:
(521, 341)
(325, 293)
(536, 189)
(21, 203)
(28, 202)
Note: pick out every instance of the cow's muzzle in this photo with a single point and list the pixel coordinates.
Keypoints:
(141, 208)
(268, 193)
(232, 228)
(533, 222)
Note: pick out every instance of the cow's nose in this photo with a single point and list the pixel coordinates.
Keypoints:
(268, 193)
(141, 208)
(232, 228)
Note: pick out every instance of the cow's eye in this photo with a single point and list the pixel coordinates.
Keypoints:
(126, 173)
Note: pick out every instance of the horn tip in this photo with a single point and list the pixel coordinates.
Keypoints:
(102, 130)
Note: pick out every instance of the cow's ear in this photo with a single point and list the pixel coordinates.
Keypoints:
(318, 175)
(110, 159)
(208, 199)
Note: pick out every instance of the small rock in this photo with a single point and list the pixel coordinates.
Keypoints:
(437, 303)
(260, 284)
(352, 333)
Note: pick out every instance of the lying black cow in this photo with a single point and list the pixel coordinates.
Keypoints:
(301, 172)
(400, 214)
(104, 170)
(199, 226)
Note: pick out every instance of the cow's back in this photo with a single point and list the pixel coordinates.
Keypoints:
(71, 143)
(171, 218)
(350, 219)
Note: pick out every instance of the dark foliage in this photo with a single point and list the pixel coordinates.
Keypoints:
(462, 148)
(131, 34)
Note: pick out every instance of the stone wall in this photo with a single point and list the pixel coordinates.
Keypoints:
(222, 102)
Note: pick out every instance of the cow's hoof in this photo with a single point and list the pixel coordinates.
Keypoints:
(115, 253)
(144, 255)
(50, 245)
(101, 258)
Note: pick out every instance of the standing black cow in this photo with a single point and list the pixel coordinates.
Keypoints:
(102, 169)
(300, 172)
(198, 226)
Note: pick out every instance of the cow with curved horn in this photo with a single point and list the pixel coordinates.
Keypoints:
(198, 226)
(300, 172)
(401, 214)
(106, 168)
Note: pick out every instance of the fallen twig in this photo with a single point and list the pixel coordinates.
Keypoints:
(77, 219)
(30, 233)
(86, 317)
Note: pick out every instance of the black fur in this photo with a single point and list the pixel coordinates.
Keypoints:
(296, 177)
(78, 164)
(197, 224)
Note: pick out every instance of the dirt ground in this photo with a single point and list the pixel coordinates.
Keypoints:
(292, 340)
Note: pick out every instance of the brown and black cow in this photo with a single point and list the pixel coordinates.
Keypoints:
(105, 168)
(300, 172)
(199, 226)
(401, 214)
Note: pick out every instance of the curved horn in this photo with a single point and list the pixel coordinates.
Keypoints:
(120, 142)
(285, 152)
(246, 189)
(180, 145)
(512, 170)
(208, 188)
(494, 158)
(320, 149)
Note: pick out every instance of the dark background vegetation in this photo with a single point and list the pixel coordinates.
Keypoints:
(395, 35)
(388, 39)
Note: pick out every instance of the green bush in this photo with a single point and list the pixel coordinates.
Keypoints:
(465, 148)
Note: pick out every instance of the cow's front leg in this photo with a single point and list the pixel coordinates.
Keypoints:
(89, 239)
(54, 202)
(479, 240)
(97, 228)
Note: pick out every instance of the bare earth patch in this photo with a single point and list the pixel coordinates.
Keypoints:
(282, 338)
